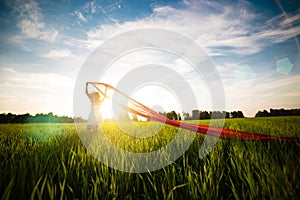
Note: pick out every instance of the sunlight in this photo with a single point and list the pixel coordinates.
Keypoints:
(106, 110)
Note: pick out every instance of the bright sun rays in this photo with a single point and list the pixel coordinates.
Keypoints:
(106, 109)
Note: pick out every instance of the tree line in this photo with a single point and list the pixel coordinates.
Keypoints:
(197, 114)
(278, 112)
(38, 118)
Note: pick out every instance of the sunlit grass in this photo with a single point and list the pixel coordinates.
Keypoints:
(49, 161)
(162, 135)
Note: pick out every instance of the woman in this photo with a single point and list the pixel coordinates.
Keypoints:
(95, 117)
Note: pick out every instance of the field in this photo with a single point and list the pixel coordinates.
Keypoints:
(49, 161)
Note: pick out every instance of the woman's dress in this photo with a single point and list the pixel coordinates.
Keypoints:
(95, 117)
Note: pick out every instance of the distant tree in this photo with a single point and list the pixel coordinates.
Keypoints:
(178, 116)
(217, 115)
(170, 115)
(294, 112)
(186, 116)
(278, 112)
(49, 117)
(2, 118)
(227, 115)
(263, 113)
(38, 118)
(195, 114)
(174, 114)
(79, 120)
(273, 112)
(163, 113)
(240, 114)
(134, 118)
(258, 114)
(234, 114)
(10, 118)
(237, 114)
(205, 115)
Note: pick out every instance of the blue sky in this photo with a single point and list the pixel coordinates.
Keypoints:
(254, 45)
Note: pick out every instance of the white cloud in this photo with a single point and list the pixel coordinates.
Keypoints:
(285, 84)
(278, 35)
(59, 53)
(31, 20)
(290, 20)
(251, 96)
(93, 7)
(23, 92)
(80, 16)
(278, 29)
(213, 25)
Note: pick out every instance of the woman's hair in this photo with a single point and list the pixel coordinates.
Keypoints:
(94, 96)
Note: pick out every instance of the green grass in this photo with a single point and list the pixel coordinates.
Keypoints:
(49, 161)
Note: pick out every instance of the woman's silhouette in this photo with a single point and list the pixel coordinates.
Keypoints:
(95, 117)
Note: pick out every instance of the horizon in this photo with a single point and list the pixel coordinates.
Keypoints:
(111, 117)
(254, 46)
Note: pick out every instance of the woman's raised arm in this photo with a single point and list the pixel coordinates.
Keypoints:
(86, 89)
(105, 95)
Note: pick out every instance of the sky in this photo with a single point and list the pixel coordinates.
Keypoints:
(254, 46)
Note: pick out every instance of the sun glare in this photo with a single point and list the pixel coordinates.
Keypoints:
(106, 110)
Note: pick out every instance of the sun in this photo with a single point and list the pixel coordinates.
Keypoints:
(106, 110)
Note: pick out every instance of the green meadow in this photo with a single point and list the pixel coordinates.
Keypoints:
(49, 161)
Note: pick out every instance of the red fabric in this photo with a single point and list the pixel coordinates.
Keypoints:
(137, 108)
